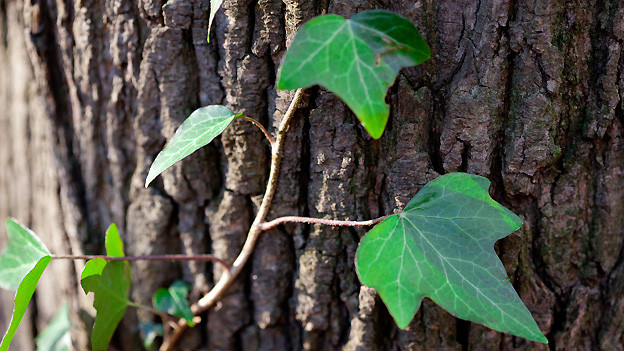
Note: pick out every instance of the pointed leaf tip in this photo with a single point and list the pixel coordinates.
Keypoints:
(442, 247)
(214, 7)
(199, 129)
(113, 242)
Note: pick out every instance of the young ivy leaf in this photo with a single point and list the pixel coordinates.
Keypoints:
(21, 267)
(357, 59)
(442, 247)
(200, 128)
(56, 337)
(174, 301)
(214, 7)
(110, 284)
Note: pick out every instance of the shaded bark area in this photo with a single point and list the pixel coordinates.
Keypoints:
(525, 93)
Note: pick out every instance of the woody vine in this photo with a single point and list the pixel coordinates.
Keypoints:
(440, 246)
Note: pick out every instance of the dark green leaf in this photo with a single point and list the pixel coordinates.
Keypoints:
(23, 295)
(174, 301)
(357, 59)
(442, 247)
(150, 332)
(200, 128)
(111, 299)
(23, 252)
(56, 337)
(110, 283)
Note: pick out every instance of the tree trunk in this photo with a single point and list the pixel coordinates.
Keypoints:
(526, 93)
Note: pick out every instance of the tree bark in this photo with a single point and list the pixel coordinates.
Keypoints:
(525, 93)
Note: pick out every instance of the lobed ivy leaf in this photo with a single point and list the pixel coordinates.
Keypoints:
(200, 128)
(214, 7)
(110, 284)
(21, 255)
(357, 59)
(56, 337)
(442, 247)
(174, 300)
(21, 265)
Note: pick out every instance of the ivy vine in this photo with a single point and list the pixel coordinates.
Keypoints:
(440, 246)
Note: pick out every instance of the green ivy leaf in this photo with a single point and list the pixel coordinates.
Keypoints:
(23, 252)
(357, 59)
(214, 7)
(442, 247)
(200, 128)
(21, 266)
(110, 284)
(56, 337)
(150, 332)
(111, 300)
(22, 298)
(174, 301)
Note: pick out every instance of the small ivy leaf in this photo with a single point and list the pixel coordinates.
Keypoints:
(214, 7)
(150, 332)
(357, 59)
(174, 301)
(56, 337)
(23, 252)
(442, 247)
(110, 284)
(21, 265)
(200, 128)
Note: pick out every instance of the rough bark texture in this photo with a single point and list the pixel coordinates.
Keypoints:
(527, 93)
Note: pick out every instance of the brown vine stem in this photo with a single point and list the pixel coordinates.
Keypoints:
(264, 131)
(208, 258)
(254, 232)
(290, 219)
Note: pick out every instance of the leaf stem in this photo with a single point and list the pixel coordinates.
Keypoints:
(208, 258)
(259, 125)
(254, 232)
(288, 219)
(147, 308)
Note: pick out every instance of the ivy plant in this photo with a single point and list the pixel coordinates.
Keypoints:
(440, 246)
